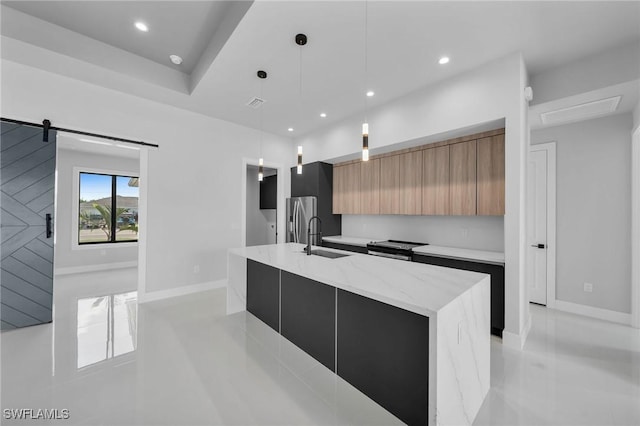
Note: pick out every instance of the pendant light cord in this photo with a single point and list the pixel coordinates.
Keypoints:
(300, 88)
(366, 59)
(261, 115)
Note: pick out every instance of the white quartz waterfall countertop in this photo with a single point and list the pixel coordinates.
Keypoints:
(462, 254)
(351, 241)
(416, 287)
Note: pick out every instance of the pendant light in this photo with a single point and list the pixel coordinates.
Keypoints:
(262, 75)
(301, 40)
(365, 125)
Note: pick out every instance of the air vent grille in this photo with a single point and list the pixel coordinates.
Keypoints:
(255, 102)
(580, 112)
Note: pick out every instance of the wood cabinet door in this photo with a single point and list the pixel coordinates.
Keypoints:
(490, 175)
(390, 185)
(462, 178)
(351, 195)
(370, 187)
(435, 181)
(411, 183)
(338, 189)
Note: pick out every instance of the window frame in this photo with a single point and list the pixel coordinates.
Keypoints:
(114, 174)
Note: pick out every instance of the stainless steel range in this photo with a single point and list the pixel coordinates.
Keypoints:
(394, 249)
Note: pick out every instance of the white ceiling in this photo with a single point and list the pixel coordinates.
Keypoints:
(405, 40)
(182, 28)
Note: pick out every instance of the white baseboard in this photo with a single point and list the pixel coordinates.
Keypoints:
(590, 311)
(181, 291)
(95, 268)
(516, 341)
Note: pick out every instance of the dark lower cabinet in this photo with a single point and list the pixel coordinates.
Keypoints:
(263, 293)
(384, 352)
(308, 317)
(346, 247)
(380, 349)
(497, 283)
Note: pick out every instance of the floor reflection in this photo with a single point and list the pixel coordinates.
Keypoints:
(107, 327)
(183, 361)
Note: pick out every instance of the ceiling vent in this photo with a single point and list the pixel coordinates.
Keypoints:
(255, 102)
(580, 112)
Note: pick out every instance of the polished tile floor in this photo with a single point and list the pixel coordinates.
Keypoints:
(110, 361)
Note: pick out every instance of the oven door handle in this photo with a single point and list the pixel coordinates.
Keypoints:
(389, 255)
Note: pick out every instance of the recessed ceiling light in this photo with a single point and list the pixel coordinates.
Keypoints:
(175, 59)
(370, 93)
(323, 115)
(444, 60)
(141, 26)
(290, 129)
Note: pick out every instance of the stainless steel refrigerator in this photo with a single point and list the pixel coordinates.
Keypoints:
(299, 211)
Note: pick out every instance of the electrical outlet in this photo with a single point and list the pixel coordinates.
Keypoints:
(196, 269)
(588, 287)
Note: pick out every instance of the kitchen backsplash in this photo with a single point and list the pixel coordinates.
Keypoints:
(474, 232)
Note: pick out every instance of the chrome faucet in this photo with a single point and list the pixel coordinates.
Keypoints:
(309, 234)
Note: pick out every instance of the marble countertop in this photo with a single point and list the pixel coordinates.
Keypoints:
(352, 241)
(416, 287)
(483, 256)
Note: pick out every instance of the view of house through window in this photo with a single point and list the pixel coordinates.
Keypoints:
(108, 210)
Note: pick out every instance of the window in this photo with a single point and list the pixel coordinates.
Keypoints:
(108, 209)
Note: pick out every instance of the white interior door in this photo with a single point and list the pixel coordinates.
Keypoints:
(537, 226)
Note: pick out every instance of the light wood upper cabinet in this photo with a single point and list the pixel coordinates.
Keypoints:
(462, 178)
(370, 187)
(390, 185)
(346, 192)
(490, 176)
(435, 181)
(338, 189)
(411, 183)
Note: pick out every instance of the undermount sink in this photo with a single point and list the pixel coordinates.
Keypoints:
(327, 254)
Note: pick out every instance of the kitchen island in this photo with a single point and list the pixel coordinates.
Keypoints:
(412, 337)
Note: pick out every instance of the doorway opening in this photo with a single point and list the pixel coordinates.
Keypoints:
(261, 207)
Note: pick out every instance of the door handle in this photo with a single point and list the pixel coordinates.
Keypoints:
(540, 246)
(48, 223)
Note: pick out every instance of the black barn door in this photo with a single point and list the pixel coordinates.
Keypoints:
(27, 182)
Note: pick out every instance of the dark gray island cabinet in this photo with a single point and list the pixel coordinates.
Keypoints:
(370, 334)
(380, 349)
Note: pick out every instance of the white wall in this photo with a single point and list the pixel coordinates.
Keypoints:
(94, 255)
(593, 210)
(614, 66)
(194, 195)
(635, 220)
(477, 232)
(259, 222)
(489, 93)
